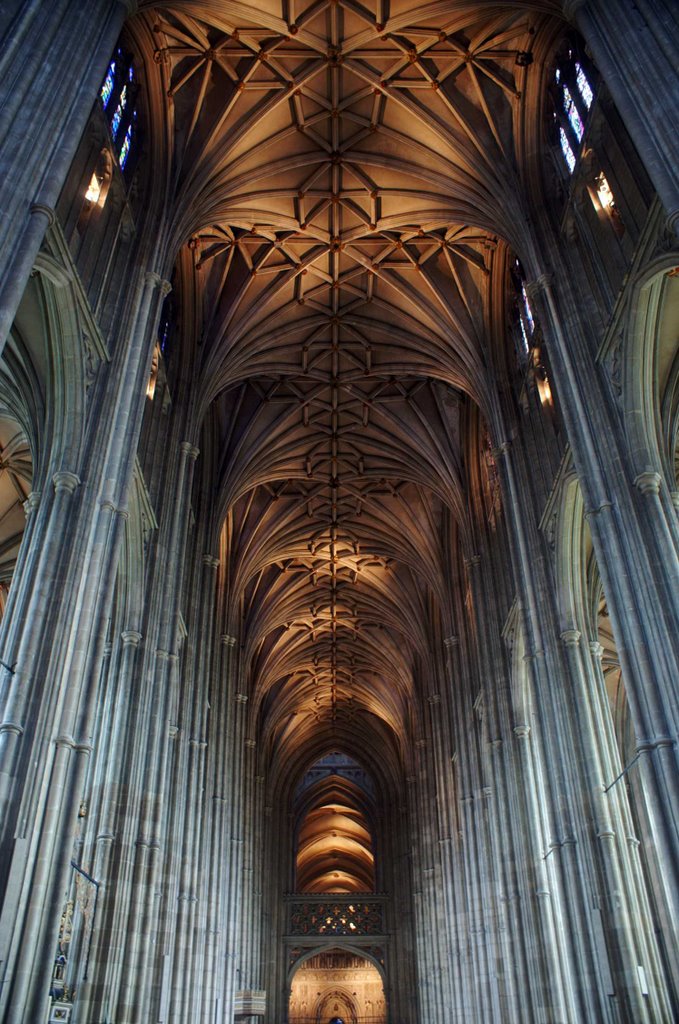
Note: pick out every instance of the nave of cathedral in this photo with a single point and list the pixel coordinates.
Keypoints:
(339, 484)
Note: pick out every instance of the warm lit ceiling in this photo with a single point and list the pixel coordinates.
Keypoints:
(342, 172)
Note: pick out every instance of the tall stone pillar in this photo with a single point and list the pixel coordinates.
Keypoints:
(630, 930)
(219, 863)
(42, 118)
(640, 587)
(107, 815)
(137, 994)
(238, 757)
(635, 46)
(566, 870)
(199, 810)
(56, 639)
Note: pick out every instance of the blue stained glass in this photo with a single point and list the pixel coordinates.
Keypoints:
(131, 74)
(584, 86)
(125, 149)
(527, 310)
(524, 336)
(116, 119)
(572, 113)
(107, 87)
(568, 153)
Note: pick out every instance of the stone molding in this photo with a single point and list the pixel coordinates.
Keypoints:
(189, 450)
(64, 480)
(648, 482)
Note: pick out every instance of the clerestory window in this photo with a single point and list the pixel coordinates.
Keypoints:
(572, 96)
(117, 94)
(573, 91)
(522, 309)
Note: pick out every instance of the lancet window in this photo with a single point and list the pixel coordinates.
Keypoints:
(523, 312)
(117, 94)
(572, 95)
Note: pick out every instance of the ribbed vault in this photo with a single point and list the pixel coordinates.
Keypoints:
(342, 172)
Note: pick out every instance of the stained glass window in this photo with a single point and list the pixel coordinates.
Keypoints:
(118, 96)
(109, 81)
(117, 117)
(572, 113)
(523, 308)
(568, 153)
(528, 312)
(583, 85)
(125, 149)
(572, 94)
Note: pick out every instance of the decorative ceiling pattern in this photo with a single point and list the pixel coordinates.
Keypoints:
(342, 172)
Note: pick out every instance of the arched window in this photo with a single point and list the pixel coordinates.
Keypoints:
(118, 94)
(572, 95)
(522, 309)
(528, 334)
(166, 324)
(573, 89)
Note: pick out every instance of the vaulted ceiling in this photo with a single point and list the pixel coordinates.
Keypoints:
(341, 175)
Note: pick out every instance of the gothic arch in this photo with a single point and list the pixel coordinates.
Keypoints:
(346, 947)
(650, 372)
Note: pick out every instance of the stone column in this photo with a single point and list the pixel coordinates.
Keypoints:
(234, 882)
(137, 994)
(445, 825)
(204, 807)
(635, 47)
(566, 867)
(36, 102)
(640, 589)
(481, 990)
(219, 873)
(106, 955)
(629, 933)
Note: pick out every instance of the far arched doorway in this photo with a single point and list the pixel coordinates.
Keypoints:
(337, 984)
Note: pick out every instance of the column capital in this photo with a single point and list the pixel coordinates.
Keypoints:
(451, 641)
(571, 637)
(46, 211)
(648, 482)
(163, 655)
(227, 640)
(538, 284)
(241, 698)
(502, 449)
(189, 449)
(31, 503)
(596, 649)
(11, 727)
(434, 698)
(522, 731)
(64, 480)
(156, 281)
(210, 561)
(130, 637)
